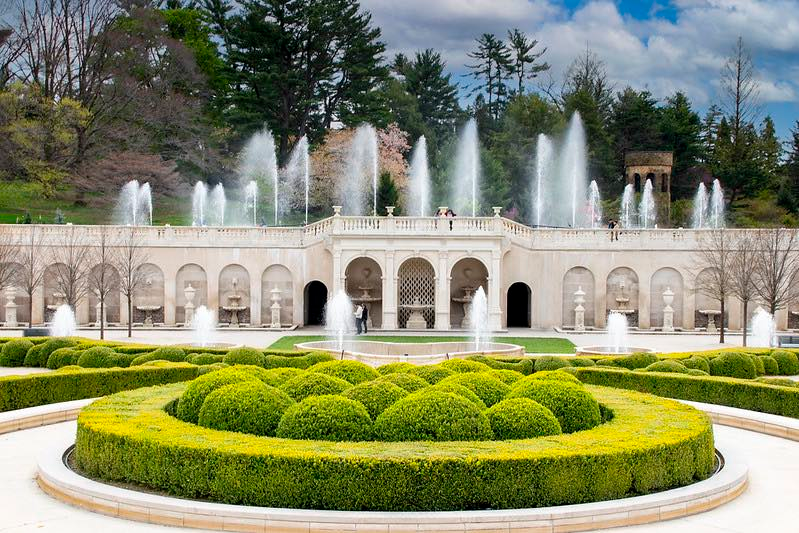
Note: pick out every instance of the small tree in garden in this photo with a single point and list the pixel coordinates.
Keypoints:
(742, 274)
(102, 278)
(30, 276)
(71, 265)
(714, 259)
(776, 267)
(128, 260)
(8, 256)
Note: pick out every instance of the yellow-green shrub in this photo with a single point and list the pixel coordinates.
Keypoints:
(485, 385)
(521, 418)
(313, 384)
(14, 352)
(326, 417)
(787, 362)
(409, 382)
(246, 407)
(198, 390)
(571, 404)
(376, 396)
(351, 371)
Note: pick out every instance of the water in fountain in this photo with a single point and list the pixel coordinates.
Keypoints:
(478, 318)
(419, 174)
(63, 323)
(251, 201)
(573, 172)
(699, 219)
(544, 154)
(204, 326)
(298, 172)
(216, 206)
(716, 207)
(199, 204)
(646, 210)
(258, 162)
(339, 317)
(617, 333)
(135, 205)
(594, 204)
(628, 215)
(763, 329)
(361, 175)
(466, 183)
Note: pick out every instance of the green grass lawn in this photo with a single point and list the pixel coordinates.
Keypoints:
(530, 344)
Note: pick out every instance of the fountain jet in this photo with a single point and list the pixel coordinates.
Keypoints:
(361, 175)
(478, 318)
(199, 204)
(298, 169)
(204, 326)
(544, 154)
(627, 218)
(574, 170)
(251, 201)
(419, 198)
(135, 205)
(617, 333)
(594, 205)
(465, 192)
(699, 218)
(647, 215)
(216, 206)
(339, 317)
(716, 207)
(63, 324)
(258, 162)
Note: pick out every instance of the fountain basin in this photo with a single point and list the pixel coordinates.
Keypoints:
(609, 350)
(376, 353)
(207, 345)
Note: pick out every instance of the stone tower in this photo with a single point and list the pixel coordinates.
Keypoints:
(655, 166)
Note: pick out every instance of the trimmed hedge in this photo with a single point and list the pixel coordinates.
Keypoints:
(696, 362)
(464, 365)
(130, 438)
(733, 365)
(164, 353)
(376, 396)
(508, 377)
(550, 362)
(770, 365)
(37, 356)
(63, 357)
(326, 417)
(432, 415)
(525, 366)
(431, 373)
(204, 358)
(521, 418)
(636, 360)
(244, 356)
(351, 371)
(20, 392)
(582, 361)
(485, 385)
(14, 352)
(556, 375)
(667, 365)
(278, 376)
(458, 390)
(781, 382)
(571, 404)
(409, 382)
(97, 357)
(198, 390)
(303, 361)
(787, 362)
(246, 407)
(313, 384)
(398, 367)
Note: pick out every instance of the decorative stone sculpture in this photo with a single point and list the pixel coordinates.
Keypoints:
(100, 311)
(188, 309)
(275, 307)
(579, 310)
(11, 307)
(390, 210)
(668, 310)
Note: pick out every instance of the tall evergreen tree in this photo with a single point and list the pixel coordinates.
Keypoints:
(491, 69)
(680, 131)
(634, 123)
(769, 150)
(524, 58)
(437, 96)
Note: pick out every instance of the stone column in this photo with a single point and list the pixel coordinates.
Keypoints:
(214, 298)
(338, 275)
(668, 310)
(11, 307)
(170, 298)
(188, 309)
(579, 310)
(600, 301)
(389, 293)
(644, 317)
(442, 292)
(123, 310)
(495, 291)
(255, 298)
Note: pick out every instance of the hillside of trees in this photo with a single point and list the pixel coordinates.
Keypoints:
(96, 92)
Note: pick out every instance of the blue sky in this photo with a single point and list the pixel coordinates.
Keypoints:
(664, 45)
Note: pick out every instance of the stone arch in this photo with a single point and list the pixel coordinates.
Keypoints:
(112, 299)
(234, 291)
(651, 176)
(705, 302)
(314, 300)
(466, 275)
(194, 275)
(637, 182)
(622, 293)
(519, 305)
(416, 281)
(364, 284)
(279, 277)
(662, 279)
(19, 298)
(578, 278)
(52, 295)
(148, 299)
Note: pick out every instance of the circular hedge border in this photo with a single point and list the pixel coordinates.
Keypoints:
(130, 437)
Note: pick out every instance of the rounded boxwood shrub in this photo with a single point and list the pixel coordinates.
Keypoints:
(556, 375)
(508, 377)
(246, 407)
(759, 367)
(667, 365)
(351, 371)
(376, 396)
(97, 357)
(696, 372)
(697, 362)
(122, 360)
(782, 382)
(392, 368)
(62, 357)
(431, 373)
(636, 360)
(608, 361)
(770, 366)
(582, 362)
(14, 352)
(464, 365)
(432, 415)
(244, 356)
(550, 362)
(37, 356)
(460, 390)
(204, 358)
(326, 417)
(574, 408)
(164, 353)
(191, 401)
(409, 382)
(70, 368)
(278, 376)
(787, 362)
(733, 365)
(485, 385)
(314, 384)
(213, 367)
(521, 418)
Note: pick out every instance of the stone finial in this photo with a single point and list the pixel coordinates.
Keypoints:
(336, 210)
(390, 210)
(497, 210)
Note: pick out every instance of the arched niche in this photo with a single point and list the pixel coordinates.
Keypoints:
(18, 297)
(53, 297)
(416, 285)
(663, 279)
(314, 300)
(578, 278)
(112, 297)
(622, 293)
(194, 275)
(148, 298)
(705, 300)
(364, 284)
(518, 306)
(234, 293)
(279, 277)
(466, 276)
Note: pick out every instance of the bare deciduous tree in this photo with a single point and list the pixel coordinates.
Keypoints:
(71, 265)
(740, 88)
(8, 257)
(742, 274)
(128, 260)
(102, 278)
(714, 258)
(776, 267)
(31, 274)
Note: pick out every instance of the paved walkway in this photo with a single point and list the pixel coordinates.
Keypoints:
(767, 505)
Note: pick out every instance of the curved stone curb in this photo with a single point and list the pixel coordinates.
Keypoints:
(41, 415)
(62, 483)
(778, 426)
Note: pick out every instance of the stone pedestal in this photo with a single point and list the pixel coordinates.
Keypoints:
(416, 321)
(11, 307)
(188, 309)
(668, 310)
(100, 313)
(275, 307)
(579, 310)
(711, 323)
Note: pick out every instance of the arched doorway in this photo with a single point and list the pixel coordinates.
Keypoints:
(314, 300)
(279, 277)
(364, 285)
(578, 279)
(466, 276)
(518, 305)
